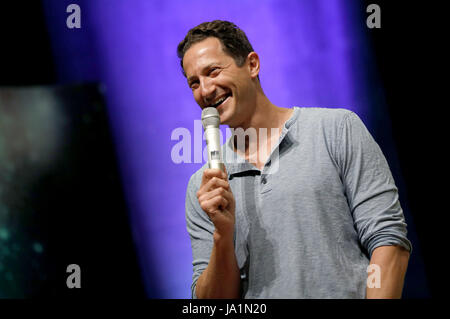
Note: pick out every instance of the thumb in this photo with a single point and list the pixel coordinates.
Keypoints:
(225, 171)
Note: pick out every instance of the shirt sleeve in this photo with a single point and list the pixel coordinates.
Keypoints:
(200, 229)
(370, 189)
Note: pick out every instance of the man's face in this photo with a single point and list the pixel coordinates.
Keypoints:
(217, 81)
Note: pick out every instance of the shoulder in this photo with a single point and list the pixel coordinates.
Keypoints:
(323, 121)
(322, 114)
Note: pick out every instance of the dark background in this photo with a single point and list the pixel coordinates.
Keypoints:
(76, 211)
(408, 61)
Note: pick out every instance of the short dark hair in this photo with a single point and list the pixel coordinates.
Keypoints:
(234, 41)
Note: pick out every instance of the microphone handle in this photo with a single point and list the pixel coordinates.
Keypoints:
(216, 164)
(213, 147)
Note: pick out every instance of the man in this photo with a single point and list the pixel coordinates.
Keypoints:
(311, 227)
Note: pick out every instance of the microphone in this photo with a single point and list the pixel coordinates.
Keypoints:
(211, 121)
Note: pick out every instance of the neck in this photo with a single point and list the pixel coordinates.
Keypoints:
(265, 114)
(266, 122)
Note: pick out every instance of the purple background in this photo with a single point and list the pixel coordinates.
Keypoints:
(313, 53)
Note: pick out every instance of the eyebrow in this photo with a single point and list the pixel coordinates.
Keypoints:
(193, 77)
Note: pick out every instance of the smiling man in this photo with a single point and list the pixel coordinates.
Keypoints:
(310, 228)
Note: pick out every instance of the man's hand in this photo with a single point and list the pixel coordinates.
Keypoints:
(217, 200)
(221, 278)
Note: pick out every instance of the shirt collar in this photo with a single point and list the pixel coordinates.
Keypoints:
(236, 164)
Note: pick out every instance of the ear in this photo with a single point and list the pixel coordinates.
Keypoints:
(253, 64)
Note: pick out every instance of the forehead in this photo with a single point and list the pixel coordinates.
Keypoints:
(203, 53)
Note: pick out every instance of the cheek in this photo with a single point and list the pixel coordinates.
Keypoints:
(197, 97)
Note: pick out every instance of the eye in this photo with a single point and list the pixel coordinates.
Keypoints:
(193, 85)
(214, 71)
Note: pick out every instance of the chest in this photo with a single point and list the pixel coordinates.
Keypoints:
(290, 188)
(258, 153)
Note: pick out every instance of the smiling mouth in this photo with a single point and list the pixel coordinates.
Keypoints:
(220, 101)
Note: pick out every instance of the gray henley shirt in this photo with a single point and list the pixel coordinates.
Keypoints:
(308, 222)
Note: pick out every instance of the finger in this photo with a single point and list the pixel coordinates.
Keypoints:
(213, 193)
(209, 173)
(225, 172)
(230, 199)
(214, 183)
(213, 204)
(228, 196)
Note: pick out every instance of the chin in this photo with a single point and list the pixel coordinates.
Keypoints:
(226, 115)
(224, 119)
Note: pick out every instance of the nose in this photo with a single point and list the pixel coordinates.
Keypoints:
(208, 90)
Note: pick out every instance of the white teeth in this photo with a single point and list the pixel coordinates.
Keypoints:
(218, 102)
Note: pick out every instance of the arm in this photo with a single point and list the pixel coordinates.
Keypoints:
(393, 261)
(374, 203)
(221, 278)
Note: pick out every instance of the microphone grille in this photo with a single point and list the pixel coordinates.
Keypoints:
(210, 116)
